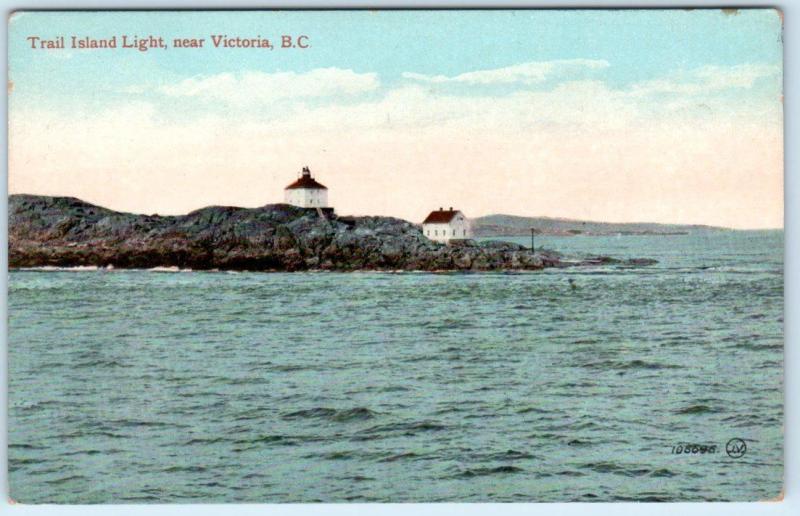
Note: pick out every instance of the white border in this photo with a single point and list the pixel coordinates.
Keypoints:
(790, 504)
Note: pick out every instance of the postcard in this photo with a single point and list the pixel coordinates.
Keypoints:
(395, 256)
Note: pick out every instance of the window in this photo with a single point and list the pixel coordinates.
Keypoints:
(465, 232)
(436, 232)
(454, 232)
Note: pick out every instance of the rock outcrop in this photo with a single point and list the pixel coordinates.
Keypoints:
(68, 232)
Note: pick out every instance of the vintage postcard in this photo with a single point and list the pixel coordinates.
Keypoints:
(395, 256)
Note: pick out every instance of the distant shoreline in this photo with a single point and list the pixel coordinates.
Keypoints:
(518, 226)
(606, 235)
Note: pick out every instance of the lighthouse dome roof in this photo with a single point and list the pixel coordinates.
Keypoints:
(307, 182)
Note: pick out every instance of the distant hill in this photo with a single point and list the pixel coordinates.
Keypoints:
(511, 225)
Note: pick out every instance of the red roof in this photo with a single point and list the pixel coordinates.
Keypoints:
(440, 216)
(306, 181)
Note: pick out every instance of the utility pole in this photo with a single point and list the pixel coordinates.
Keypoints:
(533, 248)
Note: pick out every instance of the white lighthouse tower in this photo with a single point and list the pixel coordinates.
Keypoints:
(306, 192)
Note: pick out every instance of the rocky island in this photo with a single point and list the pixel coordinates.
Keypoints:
(67, 232)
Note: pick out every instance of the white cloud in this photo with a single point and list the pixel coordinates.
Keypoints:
(568, 153)
(533, 72)
(255, 87)
(577, 105)
(706, 79)
(580, 149)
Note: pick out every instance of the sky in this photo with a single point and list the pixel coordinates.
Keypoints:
(670, 116)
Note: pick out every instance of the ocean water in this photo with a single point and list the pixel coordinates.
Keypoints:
(561, 385)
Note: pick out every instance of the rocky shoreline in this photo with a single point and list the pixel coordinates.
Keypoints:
(67, 232)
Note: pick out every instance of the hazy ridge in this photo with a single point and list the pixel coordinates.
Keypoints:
(513, 225)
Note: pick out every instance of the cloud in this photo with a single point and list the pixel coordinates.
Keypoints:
(480, 157)
(573, 104)
(254, 87)
(581, 149)
(533, 72)
(706, 79)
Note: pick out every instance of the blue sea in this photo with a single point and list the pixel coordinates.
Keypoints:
(592, 384)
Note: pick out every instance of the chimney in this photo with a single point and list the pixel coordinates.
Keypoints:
(451, 208)
(306, 172)
(441, 209)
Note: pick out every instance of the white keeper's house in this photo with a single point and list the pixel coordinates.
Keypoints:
(445, 225)
(306, 192)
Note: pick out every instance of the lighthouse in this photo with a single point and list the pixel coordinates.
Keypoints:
(306, 192)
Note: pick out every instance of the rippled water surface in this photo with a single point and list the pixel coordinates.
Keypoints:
(133, 386)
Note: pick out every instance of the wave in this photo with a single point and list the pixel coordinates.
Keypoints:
(204, 440)
(619, 469)
(535, 410)
(100, 363)
(359, 478)
(268, 438)
(288, 368)
(633, 364)
(108, 268)
(56, 268)
(64, 480)
(337, 415)
(113, 451)
(184, 469)
(510, 455)
(25, 446)
(399, 456)
(338, 455)
(662, 473)
(482, 472)
(405, 428)
(696, 409)
(13, 462)
(133, 423)
(578, 442)
(777, 346)
(571, 473)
